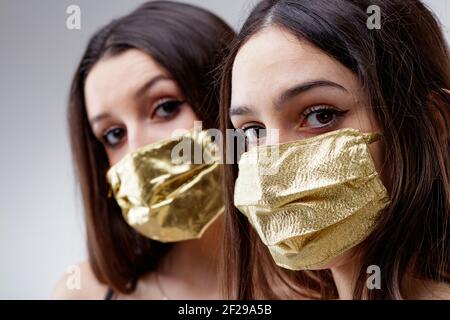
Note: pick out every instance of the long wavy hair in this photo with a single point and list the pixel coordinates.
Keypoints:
(188, 42)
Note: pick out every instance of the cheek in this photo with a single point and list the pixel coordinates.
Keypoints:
(183, 120)
(378, 152)
(378, 148)
(186, 118)
(114, 156)
(361, 119)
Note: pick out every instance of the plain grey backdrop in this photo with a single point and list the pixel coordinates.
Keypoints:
(41, 224)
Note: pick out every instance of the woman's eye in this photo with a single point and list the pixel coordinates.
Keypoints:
(113, 137)
(319, 117)
(167, 109)
(253, 134)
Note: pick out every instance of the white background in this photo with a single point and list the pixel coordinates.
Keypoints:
(41, 226)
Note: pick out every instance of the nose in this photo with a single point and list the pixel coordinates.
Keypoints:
(277, 133)
(138, 136)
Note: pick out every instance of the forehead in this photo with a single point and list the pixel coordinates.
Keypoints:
(115, 78)
(274, 59)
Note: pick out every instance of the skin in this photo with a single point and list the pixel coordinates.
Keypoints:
(131, 101)
(280, 82)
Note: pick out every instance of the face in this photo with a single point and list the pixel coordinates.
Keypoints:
(280, 82)
(132, 101)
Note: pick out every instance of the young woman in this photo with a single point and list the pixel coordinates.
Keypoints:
(361, 187)
(142, 77)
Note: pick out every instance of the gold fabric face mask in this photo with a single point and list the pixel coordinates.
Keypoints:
(313, 201)
(165, 200)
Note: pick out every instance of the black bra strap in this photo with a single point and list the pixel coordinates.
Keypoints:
(109, 294)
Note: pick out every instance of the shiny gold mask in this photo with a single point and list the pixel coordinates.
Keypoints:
(165, 200)
(316, 199)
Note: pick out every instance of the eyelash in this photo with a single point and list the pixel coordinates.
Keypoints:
(316, 109)
(244, 132)
(174, 104)
(105, 137)
(305, 114)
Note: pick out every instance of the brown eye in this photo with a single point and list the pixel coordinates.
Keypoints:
(324, 117)
(321, 116)
(167, 109)
(114, 136)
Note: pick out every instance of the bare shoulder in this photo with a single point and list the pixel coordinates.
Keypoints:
(78, 283)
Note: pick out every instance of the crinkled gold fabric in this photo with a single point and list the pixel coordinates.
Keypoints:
(165, 200)
(318, 198)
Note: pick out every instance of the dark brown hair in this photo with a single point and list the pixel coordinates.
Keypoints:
(188, 42)
(404, 68)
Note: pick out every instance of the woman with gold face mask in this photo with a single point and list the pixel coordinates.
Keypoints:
(152, 226)
(347, 130)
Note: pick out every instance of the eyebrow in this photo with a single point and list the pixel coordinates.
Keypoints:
(304, 87)
(240, 111)
(98, 118)
(290, 94)
(145, 87)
